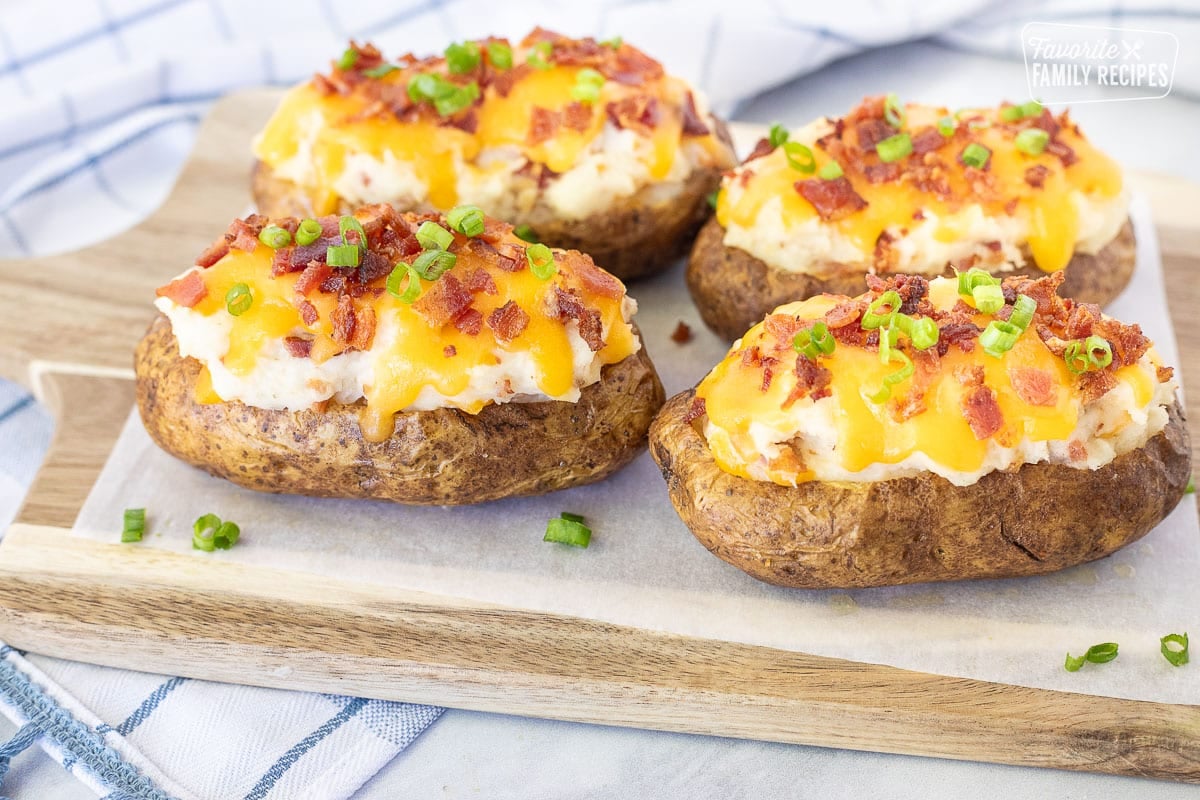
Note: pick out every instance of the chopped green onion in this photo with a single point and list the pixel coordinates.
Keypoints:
(989, 298)
(615, 43)
(947, 126)
(274, 237)
(967, 281)
(499, 55)
(1076, 358)
(432, 263)
(204, 529)
(1191, 487)
(347, 224)
(1032, 141)
(814, 342)
(412, 291)
(134, 525)
(999, 337)
(800, 157)
(975, 155)
(433, 236)
(893, 111)
(1174, 648)
(1074, 663)
(526, 233)
(348, 60)
(447, 98)
(227, 535)
(1099, 351)
(1097, 654)
(308, 232)
(712, 198)
(462, 57)
(456, 101)
(1023, 309)
(902, 374)
(830, 172)
(380, 71)
(588, 83)
(1024, 111)
(541, 261)
(572, 517)
(923, 332)
(539, 55)
(894, 148)
(567, 531)
(343, 255)
(777, 135)
(467, 220)
(875, 317)
(238, 299)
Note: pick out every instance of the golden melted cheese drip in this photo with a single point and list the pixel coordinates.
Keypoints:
(868, 433)
(434, 150)
(415, 357)
(1051, 216)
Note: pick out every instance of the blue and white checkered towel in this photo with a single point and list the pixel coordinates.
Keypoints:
(100, 101)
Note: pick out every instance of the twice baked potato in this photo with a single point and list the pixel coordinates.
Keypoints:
(590, 145)
(422, 359)
(912, 189)
(909, 435)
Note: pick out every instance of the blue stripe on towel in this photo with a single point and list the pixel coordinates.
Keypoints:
(148, 705)
(285, 762)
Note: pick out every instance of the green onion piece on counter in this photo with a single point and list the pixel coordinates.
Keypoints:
(967, 281)
(499, 55)
(893, 111)
(274, 237)
(1074, 663)
(204, 530)
(308, 232)
(380, 71)
(894, 148)
(238, 299)
(526, 233)
(343, 255)
(831, 171)
(539, 55)
(800, 157)
(1023, 310)
(875, 315)
(905, 372)
(347, 224)
(975, 155)
(1174, 648)
(467, 220)
(412, 291)
(432, 263)
(999, 337)
(989, 298)
(1032, 141)
(712, 198)
(433, 236)
(541, 261)
(777, 135)
(923, 333)
(568, 531)
(588, 83)
(615, 42)
(1099, 351)
(1101, 653)
(567, 515)
(134, 526)
(348, 60)
(462, 57)
(226, 536)
(947, 126)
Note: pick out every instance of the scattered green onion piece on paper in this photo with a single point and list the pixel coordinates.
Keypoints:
(274, 237)
(432, 236)
(777, 135)
(526, 233)
(499, 55)
(975, 155)
(467, 220)
(999, 337)
(541, 261)
(308, 232)
(800, 157)
(462, 57)
(567, 515)
(432, 263)
(343, 255)
(894, 148)
(1032, 141)
(1074, 663)
(1097, 654)
(1174, 647)
(134, 525)
(238, 299)
(203, 531)
(989, 298)
(412, 291)
(831, 171)
(893, 111)
(226, 536)
(568, 531)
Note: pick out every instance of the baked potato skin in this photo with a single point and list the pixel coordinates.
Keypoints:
(441, 457)
(1037, 519)
(733, 290)
(633, 239)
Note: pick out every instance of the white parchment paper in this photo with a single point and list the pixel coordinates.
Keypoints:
(645, 569)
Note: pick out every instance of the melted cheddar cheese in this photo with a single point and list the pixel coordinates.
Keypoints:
(1002, 216)
(845, 436)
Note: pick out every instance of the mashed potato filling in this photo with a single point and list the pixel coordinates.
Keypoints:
(846, 436)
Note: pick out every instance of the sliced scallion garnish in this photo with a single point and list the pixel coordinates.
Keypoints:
(343, 255)
(1032, 141)
(274, 237)
(893, 111)
(541, 261)
(1097, 654)
(432, 236)
(875, 316)
(1023, 310)
(539, 55)
(348, 59)
(831, 171)
(412, 291)
(975, 155)
(588, 83)
(308, 232)
(462, 57)
(894, 148)
(566, 530)
(800, 157)
(238, 299)
(134, 525)
(499, 55)
(1174, 647)
(467, 220)
(947, 126)
(432, 263)
(999, 337)
(905, 372)
(777, 135)
(526, 233)
(989, 298)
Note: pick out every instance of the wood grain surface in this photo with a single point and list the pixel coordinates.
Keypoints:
(147, 609)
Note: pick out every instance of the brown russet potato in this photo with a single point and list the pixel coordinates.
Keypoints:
(440, 457)
(1036, 519)
(733, 290)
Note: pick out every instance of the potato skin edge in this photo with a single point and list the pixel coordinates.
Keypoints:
(733, 290)
(440, 457)
(1037, 519)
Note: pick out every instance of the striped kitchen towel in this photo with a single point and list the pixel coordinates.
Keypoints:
(101, 99)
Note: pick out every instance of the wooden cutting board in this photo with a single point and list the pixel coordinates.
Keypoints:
(68, 325)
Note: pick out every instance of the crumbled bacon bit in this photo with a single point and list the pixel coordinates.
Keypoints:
(1094, 385)
(962, 334)
(444, 301)
(784, 327)
(845, 313)
(469, 322)
(982, 412)
(543, 124)
(882, 173)
(695, 411)
(682, 333)
(449, 351)
(364, 328)
(577, 116)
(186, 291)
(213, 253)
(593, 278)
(631, 67)
(1036, 175)
(692, 124)
(1164, 374)
(298, 347)
(634, 111)
(508, 321)
(308, 313)
(761, 148)
(313, 276)
(479, 280)
(834, 199)
(926, 364)
(342, 318)
(1065, 153)
(243, 233)
(872, 131)
(811, 379)
(1034, 386)
(566, 305)
(489, 251)
(927, 140)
